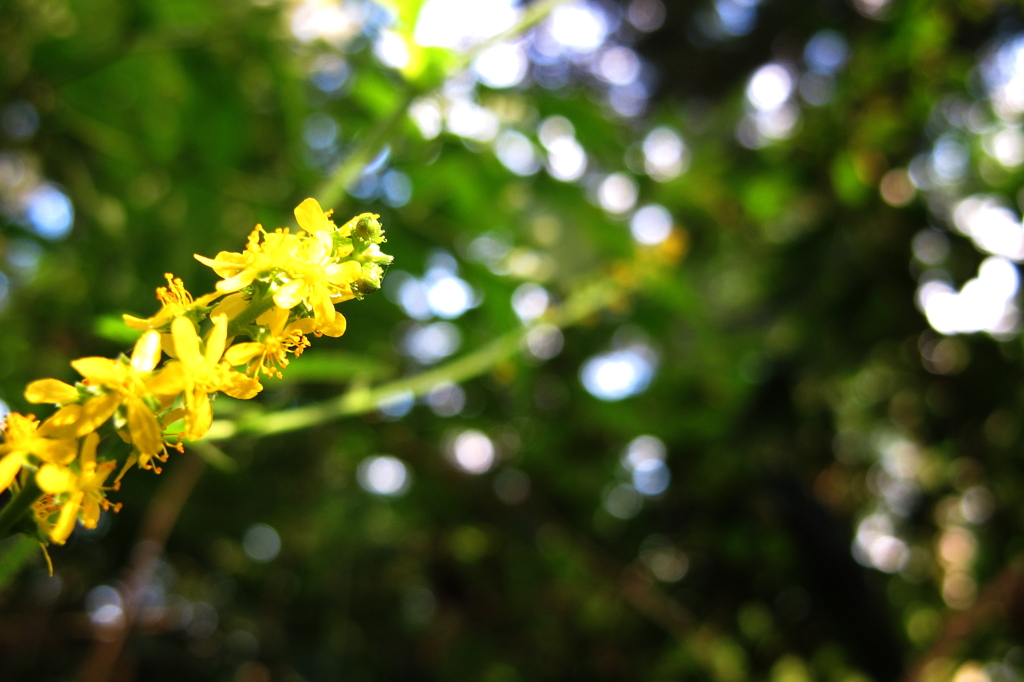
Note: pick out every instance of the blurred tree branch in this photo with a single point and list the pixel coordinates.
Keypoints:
(156, 526)
(998, 599)
(332, 192)
(586, 301)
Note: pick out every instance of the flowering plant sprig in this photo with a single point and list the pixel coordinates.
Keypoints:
(272, 296)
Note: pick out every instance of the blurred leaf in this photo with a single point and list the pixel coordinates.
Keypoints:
(14, 554)
(113, 328)
(214, 456)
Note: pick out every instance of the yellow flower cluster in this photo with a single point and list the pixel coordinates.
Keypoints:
(274, 294)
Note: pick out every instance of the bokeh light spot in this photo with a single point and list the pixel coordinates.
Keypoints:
(651, 224)
(49, 212)
(617, 193)
(619, 374)
(383, 475)
(261, 543)
(473, 452)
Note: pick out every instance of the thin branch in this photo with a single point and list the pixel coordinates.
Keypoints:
(647, 599)
(332, 192)
(584, 303)
(361, 401)
(160, 518)
(533, 15)
(997, 599)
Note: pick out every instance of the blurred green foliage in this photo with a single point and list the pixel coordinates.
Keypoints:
(803, 402)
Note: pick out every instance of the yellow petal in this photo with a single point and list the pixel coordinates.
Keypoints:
(200, 416)
(167, 344)
(217, 339)
(66, 523)
(145, 430)
(345, 293)
(318, 248)
(274, 319)
(239, 281)
(174, 415)
(90, 514)
(337, 327)
(56, 450)
(171, 380)
(63, 423)
(102, 371)
(225, 264)
(306, 325)
(132, 459)
(232, 306)
(206, 299)
(241, 353)
(310, 216)
(102, 471)
(89, 445)
(323, 310)
(51, 391)
(186, 342)
(9, 468)
(146, 353)
(136, 323)
(211, 262)
(242, 387)
(290, 295)
(53, 478)
(96, 411)
(344, 273)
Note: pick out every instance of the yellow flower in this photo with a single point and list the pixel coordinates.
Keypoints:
(175, 300)
(198, 373)
(269, 355)
(24, 437)
(259, 259)
(87, 494)
(303, 269)
(315, 279)
(315, 267)
(44, 510)
(282, 287)
(128, 383)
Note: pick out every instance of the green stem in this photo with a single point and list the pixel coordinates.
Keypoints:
(586, 301)
(19, 504)
(362, 401)
(257, 307)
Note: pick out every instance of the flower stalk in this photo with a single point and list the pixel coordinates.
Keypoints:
(257, 307)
